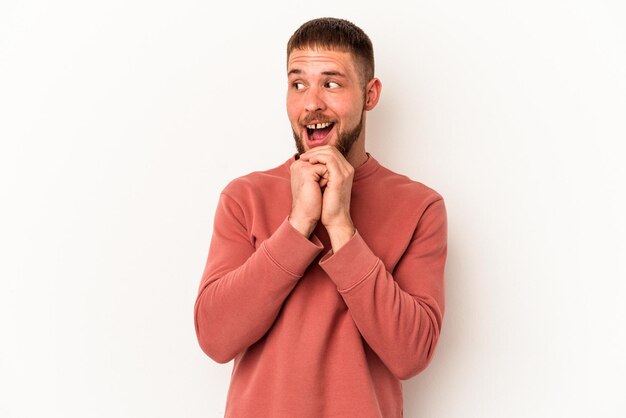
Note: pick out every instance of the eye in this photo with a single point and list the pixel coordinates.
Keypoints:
(298, 85)
(332, 85)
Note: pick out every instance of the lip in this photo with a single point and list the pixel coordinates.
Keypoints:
(312, 143)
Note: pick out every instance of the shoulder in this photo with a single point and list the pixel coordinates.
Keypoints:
(266, 181)
(405, 188)
(414, 202)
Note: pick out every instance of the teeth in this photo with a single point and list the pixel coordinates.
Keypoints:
(319, 125)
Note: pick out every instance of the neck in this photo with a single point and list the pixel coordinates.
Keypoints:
(357, 155)
(357, 159)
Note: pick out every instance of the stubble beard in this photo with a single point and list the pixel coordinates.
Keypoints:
(344, 143)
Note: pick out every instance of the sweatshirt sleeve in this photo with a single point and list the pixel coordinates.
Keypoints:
(243, 287)
(399, 315)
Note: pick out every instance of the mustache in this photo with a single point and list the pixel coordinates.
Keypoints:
(315, 116)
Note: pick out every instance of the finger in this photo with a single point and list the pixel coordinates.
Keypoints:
(326, 149)
(320, 157)
(320, 174)
(323, 154)
(317, 171)
(324, 179)
(320, 170)
(332, 163)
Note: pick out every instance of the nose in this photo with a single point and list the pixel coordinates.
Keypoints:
(314, 100)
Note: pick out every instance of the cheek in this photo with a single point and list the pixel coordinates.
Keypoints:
(349, 116)
(346, 108)
(293, 108)
(293, 117)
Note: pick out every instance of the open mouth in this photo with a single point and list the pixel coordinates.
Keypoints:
(317, 132)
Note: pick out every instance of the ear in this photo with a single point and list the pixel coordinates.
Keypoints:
(372, 93)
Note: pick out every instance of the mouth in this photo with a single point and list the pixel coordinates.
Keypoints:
(317, 133)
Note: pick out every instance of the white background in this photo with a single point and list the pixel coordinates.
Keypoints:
(121, 121)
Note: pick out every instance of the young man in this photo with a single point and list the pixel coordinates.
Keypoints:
(325, 275)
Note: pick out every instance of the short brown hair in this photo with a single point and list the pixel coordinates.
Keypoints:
(336, 34)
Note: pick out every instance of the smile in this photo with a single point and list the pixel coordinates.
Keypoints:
(317, 132)
(319, 125)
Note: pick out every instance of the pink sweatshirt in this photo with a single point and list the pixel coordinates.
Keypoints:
(315, 333)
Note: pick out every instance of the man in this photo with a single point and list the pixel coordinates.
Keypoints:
(324, 280)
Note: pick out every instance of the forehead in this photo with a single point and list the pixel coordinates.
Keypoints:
(320, 60)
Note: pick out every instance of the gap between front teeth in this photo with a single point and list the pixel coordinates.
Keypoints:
(319, 125)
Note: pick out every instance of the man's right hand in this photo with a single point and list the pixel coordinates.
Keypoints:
(307, 181)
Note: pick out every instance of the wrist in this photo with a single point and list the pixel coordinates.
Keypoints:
(340, 235)
(303, 226)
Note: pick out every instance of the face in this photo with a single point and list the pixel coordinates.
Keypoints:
(326, 100)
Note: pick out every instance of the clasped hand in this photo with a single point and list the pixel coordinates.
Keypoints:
(321, 185)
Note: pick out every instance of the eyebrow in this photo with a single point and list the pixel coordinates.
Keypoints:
(334, 73)
(328, 73)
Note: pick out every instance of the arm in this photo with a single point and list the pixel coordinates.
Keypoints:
(243, 288)
(399, 316)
